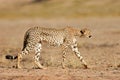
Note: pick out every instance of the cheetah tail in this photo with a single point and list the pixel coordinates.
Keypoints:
(11, 57)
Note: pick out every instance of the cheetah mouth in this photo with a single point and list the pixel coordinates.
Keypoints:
(83, 36)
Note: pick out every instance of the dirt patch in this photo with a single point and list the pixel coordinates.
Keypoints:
(101, 52)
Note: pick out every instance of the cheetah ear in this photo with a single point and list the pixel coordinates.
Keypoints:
(82, 31)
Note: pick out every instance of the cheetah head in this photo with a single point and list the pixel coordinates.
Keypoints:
(85, 33)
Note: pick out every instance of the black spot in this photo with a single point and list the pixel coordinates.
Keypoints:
(45, 34)
(74, 46)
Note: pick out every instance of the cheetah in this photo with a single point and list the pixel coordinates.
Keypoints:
(66, 37)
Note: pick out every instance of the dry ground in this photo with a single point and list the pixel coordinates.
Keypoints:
(101, 51)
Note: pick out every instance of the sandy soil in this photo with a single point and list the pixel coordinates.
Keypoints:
(101, 52)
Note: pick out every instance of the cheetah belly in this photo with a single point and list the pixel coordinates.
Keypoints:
(58, 41)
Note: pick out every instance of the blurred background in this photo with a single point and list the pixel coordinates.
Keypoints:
(12, 9)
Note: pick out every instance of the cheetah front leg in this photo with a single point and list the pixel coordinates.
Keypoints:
(75, 49)
(37, 55)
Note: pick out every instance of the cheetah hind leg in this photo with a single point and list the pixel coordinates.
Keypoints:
(64, 56)
(19, 60)
(37, 56)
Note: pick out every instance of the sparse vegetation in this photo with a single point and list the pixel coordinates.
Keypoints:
(59, 8)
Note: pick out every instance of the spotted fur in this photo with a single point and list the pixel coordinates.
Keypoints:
(66, 37)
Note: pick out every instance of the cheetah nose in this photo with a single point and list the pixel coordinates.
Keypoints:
(90, 36)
